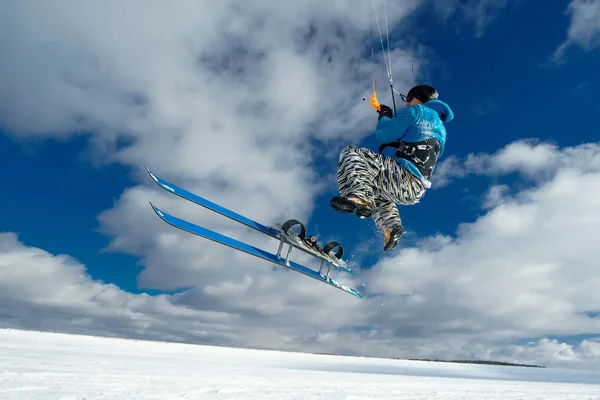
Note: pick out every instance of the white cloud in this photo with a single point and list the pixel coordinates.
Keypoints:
(584, 29)
(449, 168)
(480, 13)
(585, 354)
(39, 290)
(495, 195)
(533, 159)
(523, 156)
(76, 303)
(222, 98)
(525, 269)
(483, 12)
(163, 80)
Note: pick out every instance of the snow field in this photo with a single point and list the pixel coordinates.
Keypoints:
(35, 366)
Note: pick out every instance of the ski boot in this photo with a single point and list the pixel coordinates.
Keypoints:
(345, 205)
(391, 237)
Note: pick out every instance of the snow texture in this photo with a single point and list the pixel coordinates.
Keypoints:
(36, 365)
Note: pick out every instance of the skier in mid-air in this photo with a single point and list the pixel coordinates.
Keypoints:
(372, 184)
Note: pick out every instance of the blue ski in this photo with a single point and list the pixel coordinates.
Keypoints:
(213, 206)
(283, 233)
(246, 248)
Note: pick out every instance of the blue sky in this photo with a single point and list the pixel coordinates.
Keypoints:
(502, 87)
(79, 194)
(56, 196)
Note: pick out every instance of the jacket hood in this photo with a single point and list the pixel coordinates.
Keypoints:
(443, 110)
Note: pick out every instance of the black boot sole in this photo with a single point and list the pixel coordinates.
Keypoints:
(395, 235)
(347, 206)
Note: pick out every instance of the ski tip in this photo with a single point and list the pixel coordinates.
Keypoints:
(156, 210)
(154, 178)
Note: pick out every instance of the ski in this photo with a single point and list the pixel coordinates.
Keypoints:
(246, 248)
(283, 232)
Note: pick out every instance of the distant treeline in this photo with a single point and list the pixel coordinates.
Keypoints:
(454, 361)
(480, 362)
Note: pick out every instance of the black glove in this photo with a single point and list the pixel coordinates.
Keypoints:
(385, 111)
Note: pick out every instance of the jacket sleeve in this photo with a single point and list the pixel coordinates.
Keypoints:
(389, 130)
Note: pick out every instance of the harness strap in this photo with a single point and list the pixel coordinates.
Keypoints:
(423, 154)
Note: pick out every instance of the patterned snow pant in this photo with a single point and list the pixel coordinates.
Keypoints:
(380, 181)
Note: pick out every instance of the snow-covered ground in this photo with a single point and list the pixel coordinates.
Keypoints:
(35, 365)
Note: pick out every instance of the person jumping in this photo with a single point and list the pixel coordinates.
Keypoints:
(373, 184)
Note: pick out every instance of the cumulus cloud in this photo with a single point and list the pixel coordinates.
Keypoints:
(76, 303)
(495, 195)
(448, 169)
(510, 271)
(227, 100)
(223, 98)
(525, 269)
(584, 29)
(479, 13)
(531, 158)
(584, 354)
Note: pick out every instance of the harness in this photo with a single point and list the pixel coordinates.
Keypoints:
(423, 154)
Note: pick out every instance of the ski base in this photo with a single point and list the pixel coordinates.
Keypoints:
(254, 251)
(283, 233)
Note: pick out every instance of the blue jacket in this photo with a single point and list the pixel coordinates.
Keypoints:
(413, 124)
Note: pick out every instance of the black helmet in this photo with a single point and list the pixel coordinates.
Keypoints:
(423, 93)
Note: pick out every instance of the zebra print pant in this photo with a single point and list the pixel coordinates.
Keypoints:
(380, 181)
